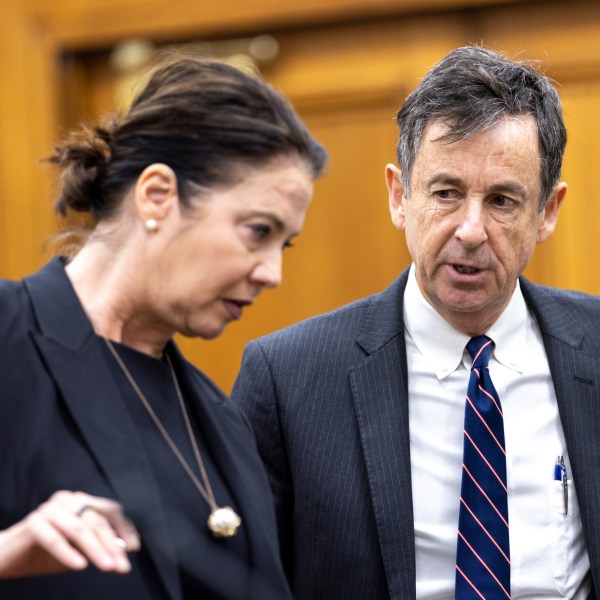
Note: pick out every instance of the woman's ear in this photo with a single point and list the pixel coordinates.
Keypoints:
(393, 179)
(156, 195)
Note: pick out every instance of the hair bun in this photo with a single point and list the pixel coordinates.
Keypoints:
(84, 156)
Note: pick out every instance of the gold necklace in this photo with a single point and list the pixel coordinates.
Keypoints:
(223, 521)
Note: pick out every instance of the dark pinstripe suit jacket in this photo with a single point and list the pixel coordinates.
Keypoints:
(328, 401)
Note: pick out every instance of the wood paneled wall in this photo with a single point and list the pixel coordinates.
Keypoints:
(346, 65)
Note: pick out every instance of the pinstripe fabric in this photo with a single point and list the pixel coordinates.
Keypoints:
(330, 425)
(570, 327)
(328, 400)
(483, 551)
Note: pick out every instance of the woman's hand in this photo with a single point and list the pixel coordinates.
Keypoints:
(67, 532)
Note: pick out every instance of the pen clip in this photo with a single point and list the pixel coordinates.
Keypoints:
(560, 474)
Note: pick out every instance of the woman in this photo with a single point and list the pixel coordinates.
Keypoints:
(195, 193)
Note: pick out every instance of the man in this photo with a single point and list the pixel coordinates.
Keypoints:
(360, 414)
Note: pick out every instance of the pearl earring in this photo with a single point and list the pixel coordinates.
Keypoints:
(151, 225)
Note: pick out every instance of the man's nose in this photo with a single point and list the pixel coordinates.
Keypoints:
(471, 228)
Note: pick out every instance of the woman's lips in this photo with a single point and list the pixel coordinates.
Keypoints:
(235, 307)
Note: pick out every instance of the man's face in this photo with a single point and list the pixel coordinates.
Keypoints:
(471, 219)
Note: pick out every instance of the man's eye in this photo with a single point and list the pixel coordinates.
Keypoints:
(261, 231)
(445, 194)
(502, 201)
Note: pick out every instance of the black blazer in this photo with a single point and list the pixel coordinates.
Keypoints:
(64, 426)
(328, 400)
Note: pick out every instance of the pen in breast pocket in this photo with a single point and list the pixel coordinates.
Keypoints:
(560, 474)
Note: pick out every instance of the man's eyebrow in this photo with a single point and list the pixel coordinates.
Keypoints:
(511, 187)
(446, 179)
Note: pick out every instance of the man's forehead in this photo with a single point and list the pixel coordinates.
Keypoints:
(503, 156)
(445, 131)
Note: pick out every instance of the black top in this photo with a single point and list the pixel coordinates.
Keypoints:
(66, 425)
(186, 510)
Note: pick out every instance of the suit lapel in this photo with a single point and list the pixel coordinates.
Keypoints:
(77, 364)
(380, 390)
(573, 351)
(229, 439)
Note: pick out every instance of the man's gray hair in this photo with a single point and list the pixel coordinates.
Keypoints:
(471, 89)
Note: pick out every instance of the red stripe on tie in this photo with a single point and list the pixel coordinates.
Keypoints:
(485, 495)
(462, 537)
(486, 460)
(481, 350)
(485, 530)
(487, 561)
(486, 425)
(470, 583)
(481, 389)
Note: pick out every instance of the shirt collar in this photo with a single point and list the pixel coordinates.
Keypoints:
(444, 346)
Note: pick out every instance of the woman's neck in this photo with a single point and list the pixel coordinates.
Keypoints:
(110, 287)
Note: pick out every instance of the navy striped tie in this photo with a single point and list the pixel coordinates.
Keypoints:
(483, 554)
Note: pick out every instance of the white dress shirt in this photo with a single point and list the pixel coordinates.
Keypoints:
(547, 552)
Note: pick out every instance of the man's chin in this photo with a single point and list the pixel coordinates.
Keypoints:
(470, 313)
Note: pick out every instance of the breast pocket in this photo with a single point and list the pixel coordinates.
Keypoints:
(570, 562)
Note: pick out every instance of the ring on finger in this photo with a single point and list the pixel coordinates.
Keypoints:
(119, 541)
(86, 508)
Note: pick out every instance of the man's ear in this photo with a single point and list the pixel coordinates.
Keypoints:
(156, 194)
(396, 199)
(549, 215)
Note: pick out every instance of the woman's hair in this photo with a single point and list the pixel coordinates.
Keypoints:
(205, 119)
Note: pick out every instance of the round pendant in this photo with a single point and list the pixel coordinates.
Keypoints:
(223, 522)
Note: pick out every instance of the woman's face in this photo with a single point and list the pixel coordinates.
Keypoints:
(215, 260)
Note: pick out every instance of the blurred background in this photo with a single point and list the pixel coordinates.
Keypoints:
(346, 65)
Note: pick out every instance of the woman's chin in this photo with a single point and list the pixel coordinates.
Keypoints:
(205, 332)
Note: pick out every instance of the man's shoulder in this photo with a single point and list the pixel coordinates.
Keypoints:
(541, 294)
(339, 326)
(345, 319)
(563, 311)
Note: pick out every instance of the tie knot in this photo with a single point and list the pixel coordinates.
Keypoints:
(480, 348)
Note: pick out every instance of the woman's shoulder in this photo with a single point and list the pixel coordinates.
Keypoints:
(17, 314)
(9, 290)
(209, 392)
(202, 382)
(217, 406)
(14, 307)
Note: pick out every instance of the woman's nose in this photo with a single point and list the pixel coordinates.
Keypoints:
(267, 272)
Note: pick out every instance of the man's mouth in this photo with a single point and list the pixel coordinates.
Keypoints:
(464, 270)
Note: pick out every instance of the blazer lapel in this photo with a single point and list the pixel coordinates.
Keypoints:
(78, 366)
(380, 389)
(229, 437)
(573, 351)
